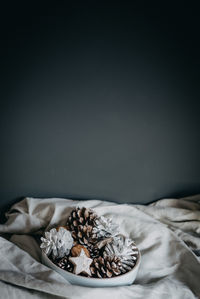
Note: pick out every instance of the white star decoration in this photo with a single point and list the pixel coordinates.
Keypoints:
(81, 263)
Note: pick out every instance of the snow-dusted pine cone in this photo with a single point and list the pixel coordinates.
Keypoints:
(105, 228)
(57, 242)
(81, 222)
(106, 267)
(125, 250)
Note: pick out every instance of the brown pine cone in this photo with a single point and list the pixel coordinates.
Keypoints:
(106, 267)
(81, 222)
(64, 264)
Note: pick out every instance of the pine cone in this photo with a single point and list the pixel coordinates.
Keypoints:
(105, 228)
(106, 267)
(64, 264)
(81, 222)
(125, 250)
(57, 242)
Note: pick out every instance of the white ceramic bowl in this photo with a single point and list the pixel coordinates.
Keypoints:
(124, 279)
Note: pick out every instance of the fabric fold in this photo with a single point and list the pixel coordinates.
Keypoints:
(166, 232)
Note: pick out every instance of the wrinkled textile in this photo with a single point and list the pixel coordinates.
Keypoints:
(166, 232)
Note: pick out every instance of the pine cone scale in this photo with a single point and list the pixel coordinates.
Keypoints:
(108, 274)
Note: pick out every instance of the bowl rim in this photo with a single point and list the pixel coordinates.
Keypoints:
(96, 278)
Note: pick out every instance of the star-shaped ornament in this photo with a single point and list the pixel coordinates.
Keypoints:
(81, 263)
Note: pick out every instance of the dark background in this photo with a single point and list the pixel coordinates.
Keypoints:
(99, 100)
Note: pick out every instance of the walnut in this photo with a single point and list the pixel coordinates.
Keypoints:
(76, 250)
(57, 228)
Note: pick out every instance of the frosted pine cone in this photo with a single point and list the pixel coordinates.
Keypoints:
(105, 228)
(58, 243)
(124, 249)
(106, 267)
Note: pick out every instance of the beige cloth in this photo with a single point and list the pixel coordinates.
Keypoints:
(167, 233)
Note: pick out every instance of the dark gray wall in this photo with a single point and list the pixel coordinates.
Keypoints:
(99, 102)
